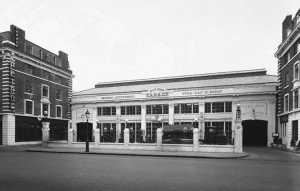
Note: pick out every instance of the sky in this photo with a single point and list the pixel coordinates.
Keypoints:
(115, 40)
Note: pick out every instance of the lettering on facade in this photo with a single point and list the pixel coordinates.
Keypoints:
(157, 92)
(201, 92)
(254, 108)
(117, 97)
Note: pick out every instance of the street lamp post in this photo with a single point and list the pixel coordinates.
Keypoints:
(87, 115)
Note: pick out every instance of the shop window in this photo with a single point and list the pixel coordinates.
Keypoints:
(296, 99)
(45, 91)
(29, 107)
(296, 71)
(59, 111)
(28, 86)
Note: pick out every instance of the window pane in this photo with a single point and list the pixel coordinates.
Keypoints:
(29, 107)
(217, 107)
(176, 108)
(228, 107)
(207, 107)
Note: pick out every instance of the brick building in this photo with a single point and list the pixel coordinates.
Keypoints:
(36, 87)
(288, 108)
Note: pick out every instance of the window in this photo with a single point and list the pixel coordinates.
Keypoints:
(298, 18)
(45, 91)
(106, 111)
(288, 56)
(296, 99)
(29, 107)
(59, 79)
(59, 111)
(45, 109)
(131, 110)
(217, 107)
(287, 78)
(296, 71)
(29, 69)
(28, 86)
(298, 47)
(195, 108)
(283, 129)
(45, 74)
(41, 54)
(28, 48)
(176, 109)
(207, 107)
(186, 108)
(228, 106)
(58, 94)
(286, 103)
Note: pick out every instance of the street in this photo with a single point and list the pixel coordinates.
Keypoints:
(263, 169)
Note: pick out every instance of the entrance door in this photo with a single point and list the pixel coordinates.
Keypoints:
(82, 131)
(0, 132)
(255, 133)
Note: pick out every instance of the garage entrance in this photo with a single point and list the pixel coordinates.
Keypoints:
(255, 133)
(82, 131)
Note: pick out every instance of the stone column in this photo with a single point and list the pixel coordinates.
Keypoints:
(97, 137)
(45, 131)
(171, 113)
(196, 139)
(201, 120)
(126, 138)
(238, 136)
(271, 113)
(8, 129)
(143, 121)
(70, 137)
(159, 139)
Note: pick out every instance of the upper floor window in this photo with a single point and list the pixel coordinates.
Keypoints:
(186, 108)
(58, 79)
(298, 18)
(287, 78)
(288, 56)
(58, 94)
(28, 107)
(296, 99)
(298, 47)
(106, 111)
(28, 49)
(131, 110)
(157, 109)
(59, 111)
(286, 103)
(296, 71)
(288, 31)
(45, 109)
(29, 69)
(28, 86)
(45, 91)
(45, 74)
(218, 107)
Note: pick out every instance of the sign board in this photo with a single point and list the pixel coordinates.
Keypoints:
(275, 134)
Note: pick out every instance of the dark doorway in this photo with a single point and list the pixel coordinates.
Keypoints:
(0, 132)
(255, 133)
(82, 130)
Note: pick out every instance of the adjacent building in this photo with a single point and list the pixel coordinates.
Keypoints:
(203, 100)
(288, 55)
(36, 87)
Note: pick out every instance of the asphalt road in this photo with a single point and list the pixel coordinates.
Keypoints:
(264, 169)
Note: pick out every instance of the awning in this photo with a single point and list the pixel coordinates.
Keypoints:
(178, 128)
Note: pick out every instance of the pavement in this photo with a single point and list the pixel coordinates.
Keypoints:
(184, 154)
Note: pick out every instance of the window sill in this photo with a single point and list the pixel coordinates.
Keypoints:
(286, 86)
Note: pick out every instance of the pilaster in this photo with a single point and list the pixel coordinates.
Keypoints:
(238, 139)
(195, 139)
(45, 132)
(171, 113)
(126, 138)
(159, 139)
(8, 129)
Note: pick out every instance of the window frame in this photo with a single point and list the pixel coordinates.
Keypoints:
(296, 70)
(61, 109)
(44, 85)
(25, 107)
(296, 99)
(286, 103)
